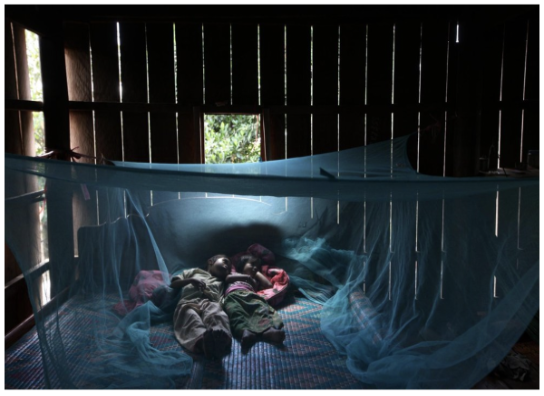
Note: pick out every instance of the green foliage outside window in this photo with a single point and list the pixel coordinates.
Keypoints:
(231, 138)
(35, 76)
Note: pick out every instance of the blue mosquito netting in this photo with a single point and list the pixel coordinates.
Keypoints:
(425, 281)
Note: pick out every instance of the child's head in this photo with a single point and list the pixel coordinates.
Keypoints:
(219, 266)
(248, 265)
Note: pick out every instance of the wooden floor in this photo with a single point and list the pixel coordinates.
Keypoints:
(527, 348)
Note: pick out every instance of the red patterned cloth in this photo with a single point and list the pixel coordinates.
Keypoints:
(277, 276)
(141, 291)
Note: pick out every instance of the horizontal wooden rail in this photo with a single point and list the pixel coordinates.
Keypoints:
(23, 105)
(26, 199)
(250, 109)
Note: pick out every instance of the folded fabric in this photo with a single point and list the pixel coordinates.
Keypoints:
(277, 276)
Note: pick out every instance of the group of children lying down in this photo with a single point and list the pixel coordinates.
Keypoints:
(216, 304)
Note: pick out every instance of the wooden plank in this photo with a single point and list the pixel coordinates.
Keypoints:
(245, 84)
(160, 48)
(81, 134)
(325, 87)
(352, 83)
(84, 201)
(78, 61)
(272, 64)
(407, 58)
(298, 89)
(189, 63)
(108, 135)
(10, 79)
(133, 62)
(531, 130)
(451, 98)
(190, 87)
(105, 61)
(13, 139)
(466, 150)
(272, 47)
(380, 62)
(434, 69)
(134, 79)
(491, 88)
(512, 90)
(78, 76)
(23, 92)
(23, 80)
(274, 133)
(217, 63)
(105, 67)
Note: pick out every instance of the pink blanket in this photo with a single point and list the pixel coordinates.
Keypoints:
(141, 291)
(277, 276)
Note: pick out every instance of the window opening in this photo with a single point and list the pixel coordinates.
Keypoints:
(232, 138)
(457, 36)
(176, 89)
(36, 89)
(259, 63)
(203, 70)
(120, 91)
(285, 84)
(230, 60)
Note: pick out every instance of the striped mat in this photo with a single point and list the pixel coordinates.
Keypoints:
(305, 361)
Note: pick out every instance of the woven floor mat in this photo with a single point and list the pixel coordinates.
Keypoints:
(305, 361)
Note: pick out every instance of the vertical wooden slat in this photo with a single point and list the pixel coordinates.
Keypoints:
(54, 68)
(134, 80)
(468, 94)
(380, 62)
(23, 82)
(78, 76)
(84, 200)
(20, 140)
(162, 89)
(325, 91)
(13, 139)
(105, 68)
(78, 63)
(491, 84)
(512, 91)
(272, 87)
(105, 61)
(10, 81)
(245, 82)
(189, 87)
(352, 83)
(217, 63)
(531, 133)
(451, 97)
(433, 91)
(407, 57)
(298, 89)
(160, 48)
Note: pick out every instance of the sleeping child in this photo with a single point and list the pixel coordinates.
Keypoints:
(200, 324)
(251, 317)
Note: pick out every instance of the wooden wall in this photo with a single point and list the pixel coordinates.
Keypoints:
(327, 79)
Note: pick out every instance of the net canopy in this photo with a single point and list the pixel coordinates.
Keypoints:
(425, 281)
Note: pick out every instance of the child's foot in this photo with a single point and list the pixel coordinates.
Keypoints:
(208, 344)
(274, 336)
(248, 340)
(222, 342)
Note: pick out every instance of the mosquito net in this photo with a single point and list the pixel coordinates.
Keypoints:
(425, 281)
